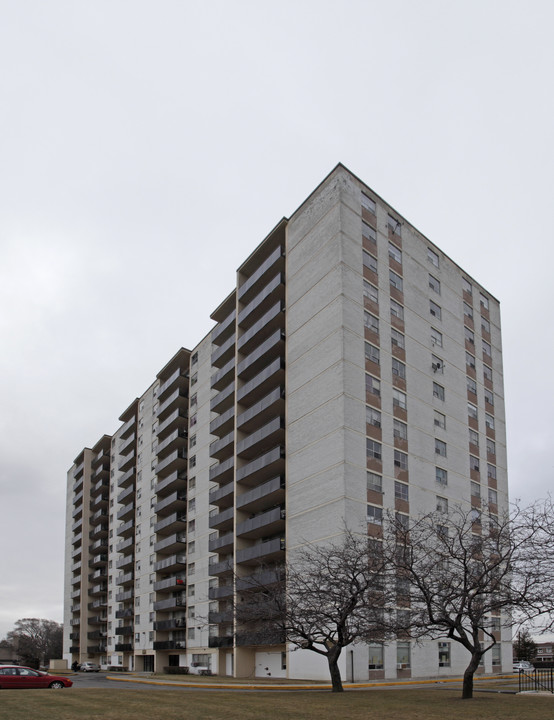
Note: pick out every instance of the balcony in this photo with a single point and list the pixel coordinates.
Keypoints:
(175, 502)
(172, 624)
(127, 478)
(101, 513)
(264, 637)
(219, 593)
(169, 645)
(261, 579)
(124, 596)
(174, 583)
(224, 446)
(263, 467)
(127, 511)
(96, 649)
(128, 492)
(173, 603)
(123, 647)
(172, 523)
(268, 493)
(270, 321)
(225, 567)
(179, 376)
(222, 520)
(129, 613)
(127, 528)
(99, 545)
(97, 635)
(274, 263)
(127, 461)
(98, 560)
(175, 563)
(224, 399)
(98, 486)
(175, 481)
(260, 385)
(275, 289)
(222, 472)
(99, 589)
(175, 461)
(270, 406)
(269, 550)
(224, 352)
(223, 376)
(125, 579)
(262, 439)
(264, 524)
(96, 604)
(178, 418)
(222, 496)
(124, 630)
(127, 427)
(126, 444)
(259, 357)
(124, 544)
(224, 329)
(98, 620)
(220, 641)
(99, 531)
(77, 524)
(222, 424)
(125, 561)
(172, 544)
(177, 399)
(177, 438)
(222, 543)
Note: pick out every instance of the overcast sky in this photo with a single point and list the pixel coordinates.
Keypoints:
(147, 147)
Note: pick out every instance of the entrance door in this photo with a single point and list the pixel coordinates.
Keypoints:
(148, 663)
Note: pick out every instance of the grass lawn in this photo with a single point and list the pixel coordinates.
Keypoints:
(120, 704)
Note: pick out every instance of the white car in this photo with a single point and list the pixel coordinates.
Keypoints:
(89, 667)
(523, 666)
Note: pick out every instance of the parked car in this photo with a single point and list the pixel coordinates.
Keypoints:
(89, 667)
(523, 666)
(17, 676)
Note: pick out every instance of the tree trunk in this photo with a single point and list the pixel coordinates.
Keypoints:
(467, 687)
(332, 659)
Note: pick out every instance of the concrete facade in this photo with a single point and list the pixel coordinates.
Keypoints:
(347, 327)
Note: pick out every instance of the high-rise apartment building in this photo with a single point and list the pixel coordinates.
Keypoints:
(354, 369)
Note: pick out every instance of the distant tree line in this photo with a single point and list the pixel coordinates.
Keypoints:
(35, 641)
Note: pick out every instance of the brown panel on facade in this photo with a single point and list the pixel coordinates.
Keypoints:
(395, 265)
(468, 322)
(401, 444)
(374, 497)
(372, 368)
(369, 245)
(485, 335)
(493, 507)
(468, 297)
(398, 324)
(374, 530)
(374, 464)
(373, 400)
(373, 432)
(491, 457)
(475, 501)
(376, 675)
(488, 407)
(473, 423)
(371, 336)
(472, 397)
(488, 384)
(492, 483)
(400, 474)
(370, 275)
(475, 475)
(397, 295)
(470, 372)
(393, 237)
(369, 217)
(398, 382)
(399, 413)
(484, 312)
(371, 306)
(403, 672)
(490, 433)
(402, 506)
(473, 449)
(487, 359)
(470, 347)
(476, 528)
(398, 352)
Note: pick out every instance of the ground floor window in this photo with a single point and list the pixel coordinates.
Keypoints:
(376, 656)
(496, 657)
(444, 654)
(403, 655)
(283, 661)
(202, 660)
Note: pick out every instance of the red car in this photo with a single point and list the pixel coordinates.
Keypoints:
(17, 676)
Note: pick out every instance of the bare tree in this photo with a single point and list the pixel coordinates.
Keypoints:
(36, 640)
(329, 597)
(466, 574)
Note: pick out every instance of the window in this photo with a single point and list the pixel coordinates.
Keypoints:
(372, 353)
(191, 547)
(440, 448)
(486, 348)
(374, 482)
(394, 226)
(190, 591)
(485, 325)
(438, 391)
(396, 338)
(444, 654)
(442, 504)
(437, 364)
(193, 420)
(470, 360)
(395, 253)
(484, 301)
(495, 653)
(194, 379)
(374, 515)
(466, 286)
(491, 447)
(396, 281)
(372, 416)
(474, 438)
(432, 257)
(194, 358)
(191, 569)
(475, 490)
(368, 203)
(474, 463)
(368, 232)
(493, 497)
(398, 399)
(400, 430)
(371, 322)
(369, 261)
(489, 397)
(190, 633)
(468, 311)
(373, 449)
(471, 385)
(401, 491)
(192, 526)
(192, 504)
(441, 476)
(396, 310)
(472, 411)
(400, 460)
(489, 421)
(376, 656)
(436, 337)
(440, 420)
(491, 471)
(371, 292)
(469, 335)
(372, 385)
(403, 655)
(398, 369)
(434, 284)
(192, 461)
(402, 520)
(487, 373)
(435, 310)
(192, 441)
